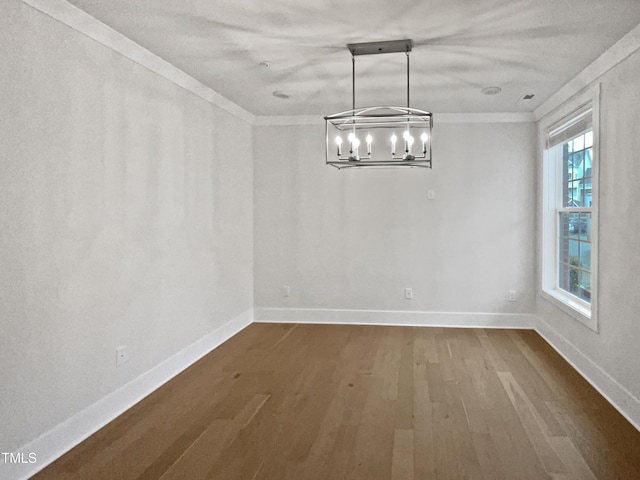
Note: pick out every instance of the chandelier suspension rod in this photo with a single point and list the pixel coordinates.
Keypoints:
(353, 81)
(408, 104)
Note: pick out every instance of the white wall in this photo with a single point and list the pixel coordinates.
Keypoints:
(124, 221)
(610, 358)
(355, 239)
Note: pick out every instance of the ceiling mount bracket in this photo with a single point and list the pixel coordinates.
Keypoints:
(374, 48)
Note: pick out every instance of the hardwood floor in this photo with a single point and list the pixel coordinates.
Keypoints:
(327, 402)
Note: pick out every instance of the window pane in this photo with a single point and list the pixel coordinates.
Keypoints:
(588, 171)
(573, 252)
(585, 244)
(588, 163)
(568, 224)
(563, 277)
(567, 168)
(571, 198)
(588, 139)
(577, 160)
(563, 224)
(585, 256)
(569, 146)
(585, 225)
(585, 286)
(563, 250)
(574, 281)
(578, 143)
(580, 193)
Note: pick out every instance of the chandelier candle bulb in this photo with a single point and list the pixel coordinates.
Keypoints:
(369, 140)
(424, 137)
(339, 144)
(394, 139)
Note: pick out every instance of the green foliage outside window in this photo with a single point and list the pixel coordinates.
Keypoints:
(574, 280)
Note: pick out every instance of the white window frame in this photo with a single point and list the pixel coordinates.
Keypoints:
(551, 192)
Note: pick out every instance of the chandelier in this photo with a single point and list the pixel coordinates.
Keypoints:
(402, 134)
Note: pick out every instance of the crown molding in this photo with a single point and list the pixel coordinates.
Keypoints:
(486, 117)
(438, 118)
(620, 51)
(276, 120)
(89, 26)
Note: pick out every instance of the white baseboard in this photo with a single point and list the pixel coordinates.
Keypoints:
(391, 317)
(54, 443)
(615, 393)
(62, 438)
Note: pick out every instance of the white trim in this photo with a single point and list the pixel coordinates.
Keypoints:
(489, 117)
(620, 51)
(283, 120)
(394, 317)
(83, 23)
(63, 437)
(572, 306)
(616, 394)
(87, 25)
(438, 118)
(550, 189)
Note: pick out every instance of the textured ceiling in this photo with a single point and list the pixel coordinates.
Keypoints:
(461, 46)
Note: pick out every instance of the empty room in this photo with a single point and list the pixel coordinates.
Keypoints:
(319, 240)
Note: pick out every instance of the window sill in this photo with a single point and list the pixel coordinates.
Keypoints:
(572, 307)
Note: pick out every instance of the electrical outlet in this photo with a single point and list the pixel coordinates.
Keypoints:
(513, 295)
(408, 293)
(122, 355)
(431, 194)
(286, 290)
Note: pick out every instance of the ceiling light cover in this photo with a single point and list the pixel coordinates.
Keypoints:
(491, 90)
(402, 134)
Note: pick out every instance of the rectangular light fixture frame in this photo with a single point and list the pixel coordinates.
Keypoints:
(386, 121)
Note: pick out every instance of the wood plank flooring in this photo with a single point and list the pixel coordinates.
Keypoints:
(328, 402)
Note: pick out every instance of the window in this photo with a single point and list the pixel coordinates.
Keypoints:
(569, 214)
